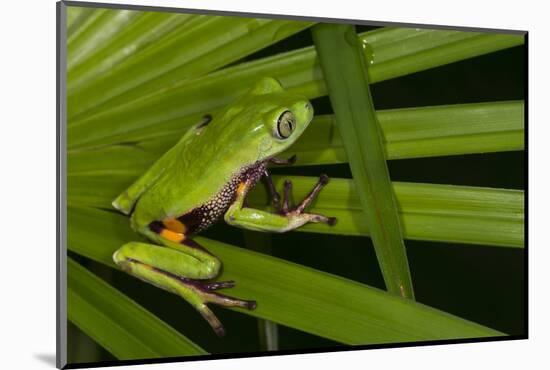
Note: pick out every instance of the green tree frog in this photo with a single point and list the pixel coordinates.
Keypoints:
(205, 176)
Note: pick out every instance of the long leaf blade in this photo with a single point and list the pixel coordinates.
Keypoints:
(424, 132)
(290, 294)
(197, 46)
(77, 17)
(433, 212)
(445, 213)
(107, 26)
(119, 324)
(408, 133)
(349, 91)
(185, 102)
(145, 32)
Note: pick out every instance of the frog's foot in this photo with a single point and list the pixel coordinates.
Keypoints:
(298, 211)
(205, 292)
(285, 218)
(185, 269)
(200, 293)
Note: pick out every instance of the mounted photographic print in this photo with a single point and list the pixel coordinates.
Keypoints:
(240, 185)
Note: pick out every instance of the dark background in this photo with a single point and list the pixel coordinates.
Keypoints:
(478, 283)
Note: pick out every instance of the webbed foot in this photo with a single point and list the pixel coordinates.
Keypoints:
(206, 293)
(168, 268)
(287, 210)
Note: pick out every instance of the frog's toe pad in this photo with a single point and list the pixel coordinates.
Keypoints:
(220, 331)
(312, 217)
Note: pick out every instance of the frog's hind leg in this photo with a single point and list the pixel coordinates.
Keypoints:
(182, 268)
(206, 292)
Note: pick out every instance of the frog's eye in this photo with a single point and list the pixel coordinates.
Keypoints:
(286, 124)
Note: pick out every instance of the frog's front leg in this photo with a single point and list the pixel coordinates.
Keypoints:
(287, 218)
(179, 268)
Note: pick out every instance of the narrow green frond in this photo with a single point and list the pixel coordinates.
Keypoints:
(83, 22)
(452, 50)
(446, 213)
(183, 103)
(289, 294)
(408, 133)
(146, 32)
(136, 81)
(106, 25)
(76, 18)
(198, 45)
(424, 132)
(346, 76)
(119, 324)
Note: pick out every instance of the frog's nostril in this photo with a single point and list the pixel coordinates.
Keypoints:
(308, 106)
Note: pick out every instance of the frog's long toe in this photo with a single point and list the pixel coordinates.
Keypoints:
(323, 180)
(207, 295)
(227, 301)
(331, 221)
(287, 189)
(214, 322)
(287, 210)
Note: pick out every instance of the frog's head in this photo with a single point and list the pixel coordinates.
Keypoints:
(271, 118)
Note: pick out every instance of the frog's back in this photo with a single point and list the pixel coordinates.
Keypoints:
(197, 183)
(200, 174)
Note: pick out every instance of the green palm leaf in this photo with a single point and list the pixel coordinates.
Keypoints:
(461, 214)
(186, 101)
(371, 316)
(137, 80)
(119, 324)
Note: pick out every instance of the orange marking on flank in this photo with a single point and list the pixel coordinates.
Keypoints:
(174, 225)
(241, 188)
(172, 236)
